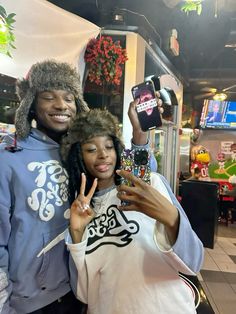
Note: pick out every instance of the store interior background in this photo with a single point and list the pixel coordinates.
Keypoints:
(203, 62)
(203, 66)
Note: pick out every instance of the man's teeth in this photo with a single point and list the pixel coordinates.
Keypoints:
(60, 117)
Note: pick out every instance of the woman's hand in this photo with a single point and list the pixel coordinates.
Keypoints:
(142, 197)
(81, 213)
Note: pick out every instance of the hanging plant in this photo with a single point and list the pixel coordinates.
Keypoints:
(7, 37)
(192, 5)
(105, 59)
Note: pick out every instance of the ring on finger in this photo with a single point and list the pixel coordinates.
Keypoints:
(86, 206)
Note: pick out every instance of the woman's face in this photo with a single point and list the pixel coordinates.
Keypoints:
(99, 156)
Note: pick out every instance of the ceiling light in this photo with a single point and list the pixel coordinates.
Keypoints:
(118, 18)
(220, 96)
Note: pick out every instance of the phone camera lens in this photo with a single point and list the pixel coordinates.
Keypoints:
(141, 158)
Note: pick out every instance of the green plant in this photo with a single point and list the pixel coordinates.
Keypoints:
(192, 5)
(7, 37)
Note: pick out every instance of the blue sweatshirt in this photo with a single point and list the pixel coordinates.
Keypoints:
(34, 214)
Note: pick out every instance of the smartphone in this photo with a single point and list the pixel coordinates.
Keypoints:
(147, 108)
(137, 162)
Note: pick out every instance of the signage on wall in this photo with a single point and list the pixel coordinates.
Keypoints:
(225, 147)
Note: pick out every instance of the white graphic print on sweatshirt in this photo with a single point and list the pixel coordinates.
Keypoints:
(112, 227)
(51, 188)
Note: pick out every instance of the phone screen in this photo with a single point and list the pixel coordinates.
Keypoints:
(147, 109)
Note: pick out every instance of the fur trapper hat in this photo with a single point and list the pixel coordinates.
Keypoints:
(43, 76)
(96, 122)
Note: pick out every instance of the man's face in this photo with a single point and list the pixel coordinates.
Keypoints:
(215, 107)
(54, 111)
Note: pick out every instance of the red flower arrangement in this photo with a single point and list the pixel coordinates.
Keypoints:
(105, 58)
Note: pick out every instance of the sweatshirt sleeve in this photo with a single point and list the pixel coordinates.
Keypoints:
(187, 254)
(5, 229)
(77, 252)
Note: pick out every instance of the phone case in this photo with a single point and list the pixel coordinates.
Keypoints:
(147, 109)
(138, 163)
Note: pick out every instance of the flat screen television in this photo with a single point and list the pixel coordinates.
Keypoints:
(218, 114)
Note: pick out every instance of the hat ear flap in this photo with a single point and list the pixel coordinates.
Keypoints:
(22, 86)
(22, 121)
(82, 105)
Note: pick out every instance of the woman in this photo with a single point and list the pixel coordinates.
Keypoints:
(128, 256)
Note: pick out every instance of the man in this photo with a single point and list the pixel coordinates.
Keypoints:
(34, 207)
(33, 194)
(214, 115)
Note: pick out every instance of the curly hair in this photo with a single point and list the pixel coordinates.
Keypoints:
(87, 125)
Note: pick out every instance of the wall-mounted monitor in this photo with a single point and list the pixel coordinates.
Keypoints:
(218, 114)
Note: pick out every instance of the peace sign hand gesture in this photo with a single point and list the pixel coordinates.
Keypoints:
(81, 213)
